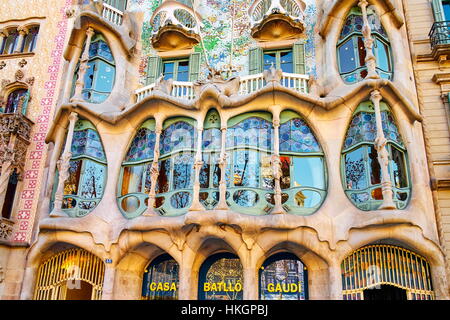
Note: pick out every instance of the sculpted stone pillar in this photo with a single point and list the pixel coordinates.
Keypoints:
(371, 61)
(383, 156)
(108, 282)
(196, 204)
(276, 167)
(335, 281)
(7, 168)
(222, 205)
(22, 33)
(185, 284)
(250, 284)
(79, 86)
(63, 168)
(154, 172)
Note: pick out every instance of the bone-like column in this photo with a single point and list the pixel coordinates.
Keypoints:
(79, 85)
(276, 167)
(198, 163)
(154, 171)
(222, 205)
(371, 61)
(63, 168)
(383, 156)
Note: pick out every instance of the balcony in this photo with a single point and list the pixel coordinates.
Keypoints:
(440, 41)
(277, 19)
(174, 26)
(247, 85)
(113, 15)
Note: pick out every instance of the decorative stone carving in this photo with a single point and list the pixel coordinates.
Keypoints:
(23, 63)
(6, 229)
(371, 60)
(5, 82)
(273, 75)
(2, 65)
(215, 79)
(163, 85)
(19, 75)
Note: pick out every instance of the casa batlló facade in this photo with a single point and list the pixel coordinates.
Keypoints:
(267, 149)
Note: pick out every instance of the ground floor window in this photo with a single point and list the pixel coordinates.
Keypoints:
(221, 278)
(283, 277)
(161, 279)
(380, 272)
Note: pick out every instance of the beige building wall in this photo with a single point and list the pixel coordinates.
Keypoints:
(433, 85)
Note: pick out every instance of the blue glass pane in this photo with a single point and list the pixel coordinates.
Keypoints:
(89, 76)
(178, 136)
(143, 146)
(355, 170)
(347, 59)
(93, 180)
(183, 71)
(246, 168)
(446, 6)
(87, 142)
(105, 77)
(296, 136)
(183, 175)
(270, 59)
(212, 139)
(255, 132)
(309, 172)
(382, 54)
(168, 70)
(286, 62)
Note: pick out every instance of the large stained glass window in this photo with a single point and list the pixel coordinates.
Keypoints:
(221, 278)
(161, 279)
(303, 180)
(283, 277)
(249, 175)
(367, 271)
(176, 166)
(362, 171)
(210, 172)
(84, 187)
(136, 171)
(100, 75)
(351, 51)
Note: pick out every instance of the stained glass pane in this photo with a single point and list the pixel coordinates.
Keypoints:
(142, 147)
(283, 279)
(212, 139)
(178, 136)
(221, 278)
(254, 132)
(14, 99)
(87, 142)
(161, 280)
(105, 77)
(296, 136)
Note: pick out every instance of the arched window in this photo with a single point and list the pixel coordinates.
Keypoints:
(73, 274)
(10, 195)
(362, 172)
(85, 185)
(303, 180)
(210, 172)
(386, 272)
(351, 50)
(13, 101)
(176, 166)
(100, 76)
(249, 175)
(9, 45)
(283, 277)
(161, 279)
(221, 278)
(29, 43)
(136, 175)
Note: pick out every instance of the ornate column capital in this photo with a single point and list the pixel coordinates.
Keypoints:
(375, 96)
(90, 32)
(363, 4)
(22, 30)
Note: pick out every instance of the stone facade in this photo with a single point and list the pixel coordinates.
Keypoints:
(44, 227)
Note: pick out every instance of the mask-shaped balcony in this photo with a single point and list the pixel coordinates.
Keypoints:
(175, 26)
(277, 19)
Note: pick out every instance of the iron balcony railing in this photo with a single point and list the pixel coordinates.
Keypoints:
(440, 34)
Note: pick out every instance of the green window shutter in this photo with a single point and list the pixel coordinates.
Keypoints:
(438, 10)
(194, 66)
(255, 63)
(299, 58)
(154, 69)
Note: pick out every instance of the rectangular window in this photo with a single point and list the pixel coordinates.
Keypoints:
(178, 70)
(279, 59)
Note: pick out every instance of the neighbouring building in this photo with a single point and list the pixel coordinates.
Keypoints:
(207, 149)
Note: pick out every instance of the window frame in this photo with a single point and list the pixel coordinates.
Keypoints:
(176, 64)
(278, 53)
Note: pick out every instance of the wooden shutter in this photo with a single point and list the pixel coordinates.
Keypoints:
(299, 58)
(438, 10)
(194, 66)
(154, 69)
(255, 60)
